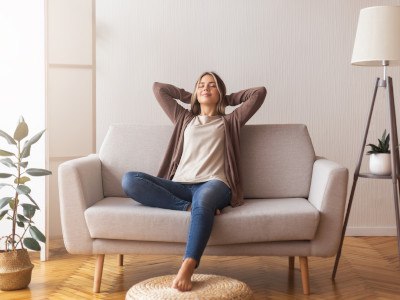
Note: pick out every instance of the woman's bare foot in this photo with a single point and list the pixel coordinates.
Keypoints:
(183, 281)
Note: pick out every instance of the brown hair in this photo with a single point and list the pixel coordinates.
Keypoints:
(222, 103)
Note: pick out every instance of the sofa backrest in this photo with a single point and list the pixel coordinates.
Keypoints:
(276, 159)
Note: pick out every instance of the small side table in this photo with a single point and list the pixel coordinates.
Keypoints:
(394, 159)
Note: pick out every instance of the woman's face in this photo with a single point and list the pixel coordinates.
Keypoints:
(207, 92)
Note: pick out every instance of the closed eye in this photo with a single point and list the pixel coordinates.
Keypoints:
(211, 85)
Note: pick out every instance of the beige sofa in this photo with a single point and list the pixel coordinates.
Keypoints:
(294, 201)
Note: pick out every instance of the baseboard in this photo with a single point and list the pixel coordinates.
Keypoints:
(371, 231)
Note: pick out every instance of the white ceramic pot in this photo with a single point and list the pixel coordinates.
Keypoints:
(380, 164)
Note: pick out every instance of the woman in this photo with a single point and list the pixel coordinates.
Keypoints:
(200, 171)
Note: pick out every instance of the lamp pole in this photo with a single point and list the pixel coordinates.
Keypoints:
(377, 43)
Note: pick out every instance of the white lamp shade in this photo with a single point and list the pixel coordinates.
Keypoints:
(378, 36)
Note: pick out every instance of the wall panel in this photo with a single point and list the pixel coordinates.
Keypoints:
(70, 111)
(70, 86)
(300, 50)
(70, 32)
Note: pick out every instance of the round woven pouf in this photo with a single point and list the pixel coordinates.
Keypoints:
(204, 287)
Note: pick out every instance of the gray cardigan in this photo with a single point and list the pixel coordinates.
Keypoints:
(252, 100)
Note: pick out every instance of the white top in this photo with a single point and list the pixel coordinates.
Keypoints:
(203, 151)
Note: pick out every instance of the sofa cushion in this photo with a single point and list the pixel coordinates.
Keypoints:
(258, 220)
(276, 159)
(131, 148)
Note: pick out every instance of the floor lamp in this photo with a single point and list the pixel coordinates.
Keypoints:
(377, 43)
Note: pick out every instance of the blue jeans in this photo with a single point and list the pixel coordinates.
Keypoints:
(205, 198)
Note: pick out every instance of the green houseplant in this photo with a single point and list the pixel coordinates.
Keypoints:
(379, 162)
(18, 207)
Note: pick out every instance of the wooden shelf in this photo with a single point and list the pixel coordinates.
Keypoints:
(370, 175)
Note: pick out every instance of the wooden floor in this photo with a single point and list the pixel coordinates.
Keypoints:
(369, 269)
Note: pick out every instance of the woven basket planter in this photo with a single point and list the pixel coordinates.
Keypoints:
(15, 270)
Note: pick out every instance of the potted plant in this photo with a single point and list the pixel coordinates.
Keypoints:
(380, 162)
(18, 207)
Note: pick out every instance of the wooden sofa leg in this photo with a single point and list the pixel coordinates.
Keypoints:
(98, 272)
(304, 274)
(291, 263)
(120, 260)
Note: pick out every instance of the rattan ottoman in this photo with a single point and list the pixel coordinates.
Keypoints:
(204, 287)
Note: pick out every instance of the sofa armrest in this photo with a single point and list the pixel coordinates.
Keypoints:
(80, 186)
(328, 193)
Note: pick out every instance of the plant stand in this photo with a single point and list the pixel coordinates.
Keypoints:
(394, 163)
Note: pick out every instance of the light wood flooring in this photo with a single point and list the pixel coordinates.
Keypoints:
(369, 269)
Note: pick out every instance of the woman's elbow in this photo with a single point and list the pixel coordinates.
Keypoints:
(156, 85)
(262, 91)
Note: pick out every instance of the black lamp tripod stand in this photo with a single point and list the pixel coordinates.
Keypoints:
(394, 164)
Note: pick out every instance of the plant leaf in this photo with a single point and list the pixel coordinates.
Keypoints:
(9, 139)
(26, 152)
(32, 244)
(387, 140)
(23, 189)
(12, 203)
(34, 139)
(8, 162)
(384, 134)
(22, 180)
(20, 224)
(24, 164)
(21, 131)
(36, 234)
(38, 172)
(3, 213)
(5, 153)
(381, 144)
(33, 201)
(29, 210)
(4, 201)
(375, 149)
(4, 184)
(21, 218)
(5, 175)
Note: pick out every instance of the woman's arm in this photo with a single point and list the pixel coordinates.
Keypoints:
(251, 98)
(166, 95)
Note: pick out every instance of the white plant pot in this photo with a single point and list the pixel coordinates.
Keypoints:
(380, 164)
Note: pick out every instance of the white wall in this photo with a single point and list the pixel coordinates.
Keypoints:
(300, 50)
(22, 88)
